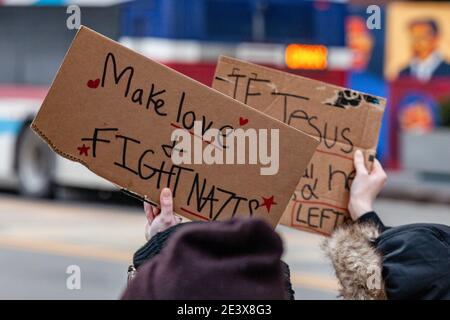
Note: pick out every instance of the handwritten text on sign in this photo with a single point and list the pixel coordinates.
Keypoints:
(114, 111)
(342, 120)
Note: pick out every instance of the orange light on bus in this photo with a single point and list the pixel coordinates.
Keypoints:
(303, 56)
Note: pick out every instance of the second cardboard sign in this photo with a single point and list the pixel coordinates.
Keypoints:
(343, 120)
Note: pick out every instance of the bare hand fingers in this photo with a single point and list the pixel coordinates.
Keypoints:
(359, 163)
(147, 231)
(378, 171)
(149, 213)
(166, 201)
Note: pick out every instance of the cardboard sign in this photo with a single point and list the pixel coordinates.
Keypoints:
(342, 120)
(115, 111)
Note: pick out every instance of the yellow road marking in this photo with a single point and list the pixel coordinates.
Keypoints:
(66, 249)
(314, 281)
(305, 280)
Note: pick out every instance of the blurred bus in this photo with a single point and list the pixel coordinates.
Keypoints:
(303, 37)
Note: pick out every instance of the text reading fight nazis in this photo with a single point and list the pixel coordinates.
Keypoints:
(204, 196)
(209, 200)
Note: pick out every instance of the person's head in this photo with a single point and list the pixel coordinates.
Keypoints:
(424, 37)
(235, 259)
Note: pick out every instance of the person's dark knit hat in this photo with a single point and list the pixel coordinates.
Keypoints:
(236, 259)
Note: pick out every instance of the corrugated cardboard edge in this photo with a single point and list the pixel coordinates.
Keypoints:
(35, 128)
(371, 107)
(41, 135)
(228, 59)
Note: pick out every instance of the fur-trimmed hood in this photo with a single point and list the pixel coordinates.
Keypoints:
(357, 263)
(405, 262)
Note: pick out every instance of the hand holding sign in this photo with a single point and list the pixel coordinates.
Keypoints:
(342, 119)
(365, 187)
(159, 220)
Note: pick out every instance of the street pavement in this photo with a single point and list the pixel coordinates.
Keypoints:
(40, 239)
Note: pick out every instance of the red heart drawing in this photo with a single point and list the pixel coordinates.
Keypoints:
(243, 121)
(93, 84)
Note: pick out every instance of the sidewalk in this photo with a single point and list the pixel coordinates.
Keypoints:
(410, 185)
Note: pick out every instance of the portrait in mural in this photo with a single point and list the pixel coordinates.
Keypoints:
(418, 41)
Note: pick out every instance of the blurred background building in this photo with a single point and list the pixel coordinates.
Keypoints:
(404, 59)
(402, 55)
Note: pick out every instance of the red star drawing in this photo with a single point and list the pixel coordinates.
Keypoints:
(83, 150)
(268, 202)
